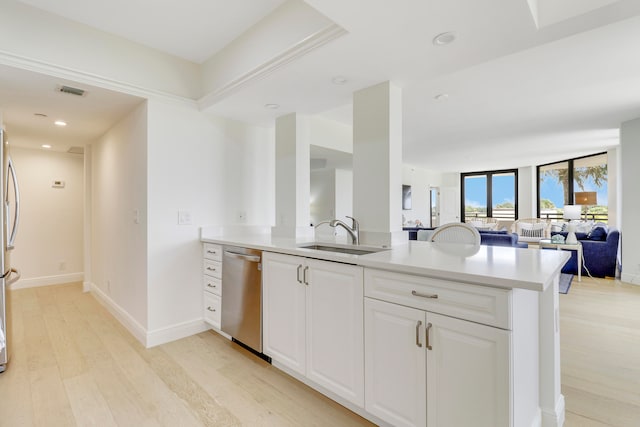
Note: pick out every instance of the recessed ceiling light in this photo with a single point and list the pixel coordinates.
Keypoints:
(444, 39)
(47, 146)
(60, 123)
(441, 97)
(40, 115)
(272, 106)
(339, 80)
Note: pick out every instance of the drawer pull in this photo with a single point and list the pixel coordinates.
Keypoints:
(418, 343)
(212, 252)
(418, 294)
(211, 269)
(212, 286)
(429, 325)
(211, 309)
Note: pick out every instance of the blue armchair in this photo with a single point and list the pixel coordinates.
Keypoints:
(600, 252)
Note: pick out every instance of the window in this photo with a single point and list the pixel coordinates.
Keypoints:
(581, 181)
(489, 195)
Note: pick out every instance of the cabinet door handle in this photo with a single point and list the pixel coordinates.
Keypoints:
(211, 309)
(429, 325)
(418, 294)
(304, 275)
(418, 343)
(298, 273)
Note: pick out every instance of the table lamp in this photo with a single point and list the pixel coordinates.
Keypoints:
(571, 212)
(586, 198)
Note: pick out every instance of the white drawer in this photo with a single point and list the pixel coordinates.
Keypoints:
(212, 251)
(213, 268)
(212, 305)
(213, 285)
(481, 304)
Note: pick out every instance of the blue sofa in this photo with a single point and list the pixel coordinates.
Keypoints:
(599, 250)
(501, 238)
(489, 238)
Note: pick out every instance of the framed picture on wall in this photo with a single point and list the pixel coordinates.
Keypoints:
(406, 197)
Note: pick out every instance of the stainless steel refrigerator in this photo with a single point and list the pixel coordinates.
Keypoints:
(8, 228)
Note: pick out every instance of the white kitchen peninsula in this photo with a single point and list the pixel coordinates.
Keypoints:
(452, 333)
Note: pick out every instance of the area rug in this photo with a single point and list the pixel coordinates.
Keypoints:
(565, 283)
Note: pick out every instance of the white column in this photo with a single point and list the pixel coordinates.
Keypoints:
(551, 399)
(377, 164)
(292, 177)
(629, 200)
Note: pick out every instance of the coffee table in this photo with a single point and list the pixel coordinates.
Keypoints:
(547, 243)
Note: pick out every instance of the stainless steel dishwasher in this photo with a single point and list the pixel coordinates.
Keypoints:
(242, 296)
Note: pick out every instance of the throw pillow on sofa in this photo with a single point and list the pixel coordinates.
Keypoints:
(531, 230)
(597, 233)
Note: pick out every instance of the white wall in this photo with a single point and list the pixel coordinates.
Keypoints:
(49, 243)
(344, 193)
(248, 158)
(630, 227)
(331, 196)
(212, 168)
(119, 243)
(322, 195)
(420, 180)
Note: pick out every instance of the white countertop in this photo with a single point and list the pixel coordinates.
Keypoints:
(495, 266)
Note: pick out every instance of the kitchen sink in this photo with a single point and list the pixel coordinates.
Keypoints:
(342, 249)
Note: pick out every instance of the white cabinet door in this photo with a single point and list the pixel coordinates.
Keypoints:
(468, 374)
(395, 363)
(335, 341)
(284, 296)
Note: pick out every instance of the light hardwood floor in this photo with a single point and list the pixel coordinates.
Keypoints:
(74, 364)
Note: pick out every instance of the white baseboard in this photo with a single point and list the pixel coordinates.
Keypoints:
(48, 280)
(131, 324)
(555, 419)
(632, 279)
(146, 338)
(175, 332)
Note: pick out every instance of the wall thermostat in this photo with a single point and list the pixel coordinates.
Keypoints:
(58, 184)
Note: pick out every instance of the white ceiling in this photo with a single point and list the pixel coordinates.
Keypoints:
(523, 88)
(24, 94)
(190, 29)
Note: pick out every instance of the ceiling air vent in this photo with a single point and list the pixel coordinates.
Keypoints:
(71, 90)
(76, 150)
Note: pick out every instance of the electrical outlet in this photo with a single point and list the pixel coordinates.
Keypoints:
(184, 218)
(62, 265)
(242, 216)
(109, 286)
(136, 216)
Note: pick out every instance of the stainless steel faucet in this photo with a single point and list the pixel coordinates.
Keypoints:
(354, 230)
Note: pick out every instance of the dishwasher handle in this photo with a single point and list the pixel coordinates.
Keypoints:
(250, 258)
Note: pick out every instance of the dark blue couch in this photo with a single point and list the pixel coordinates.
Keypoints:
(490, 238)
(501, 238)
(599, 250)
